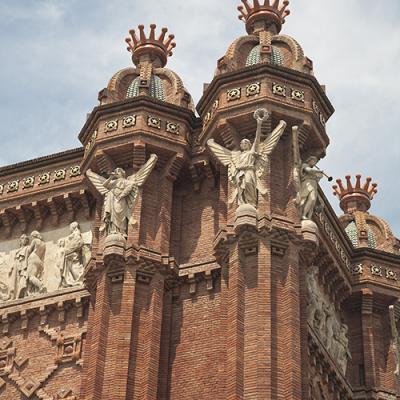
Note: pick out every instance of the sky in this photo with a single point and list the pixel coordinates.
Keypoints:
(57, 54)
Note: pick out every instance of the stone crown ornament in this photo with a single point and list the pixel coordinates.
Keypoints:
(160, 48)
(272, 13)
(355, 197)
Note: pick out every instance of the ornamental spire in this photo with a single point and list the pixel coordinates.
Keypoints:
(269, 16)
(355, 197)
(150, 47)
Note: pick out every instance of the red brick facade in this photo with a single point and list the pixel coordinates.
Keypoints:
(200, 303)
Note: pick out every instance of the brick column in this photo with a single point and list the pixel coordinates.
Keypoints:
(264, 314)
(234, 298)
(368, 337)
(291, 326)
(150, 362)
(95, 351)
(120, 333)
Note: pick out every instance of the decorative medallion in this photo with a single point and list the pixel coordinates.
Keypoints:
(253, 89)
(68, 349)
(44, 178)
(278, 89)
(376, 270)
(215, 105)
(357, 269)
(74, 171)
(59, 175)
(91, 140)
(172, 127)
(111, 125)
(234, 94)
(129, 121)
(390, 274)
(13, 186)
(207, 118)
(154, 122)
(315, 107)
(298, 95)
(28, 182)
(322, 119)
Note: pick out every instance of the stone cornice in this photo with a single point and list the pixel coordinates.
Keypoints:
(41, 162)
(250, 72)
(125, 105)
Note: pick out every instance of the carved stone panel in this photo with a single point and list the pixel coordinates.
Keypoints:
(44, 262)
(325, 321)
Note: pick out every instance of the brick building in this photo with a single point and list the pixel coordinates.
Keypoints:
(200, 268)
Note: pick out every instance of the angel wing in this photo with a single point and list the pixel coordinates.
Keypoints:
(224, 155)
(265, 150)
(140, 177)
(227, 158)
(97, 181)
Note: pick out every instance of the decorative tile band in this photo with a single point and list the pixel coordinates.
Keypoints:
(378, 271)
(42, 179)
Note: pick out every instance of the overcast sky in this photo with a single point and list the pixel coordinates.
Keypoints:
(57, 54)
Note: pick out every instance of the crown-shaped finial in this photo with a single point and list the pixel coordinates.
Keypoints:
(272, 14)
(156, 48)
(355, 197)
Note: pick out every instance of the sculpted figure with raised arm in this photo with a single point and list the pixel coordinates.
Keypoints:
(246, 168)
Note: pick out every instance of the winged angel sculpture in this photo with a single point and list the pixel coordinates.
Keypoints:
(120, 195)
(247, 167)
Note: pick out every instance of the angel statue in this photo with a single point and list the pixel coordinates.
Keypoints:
(120, 195)
(246, 168)
(306, 177)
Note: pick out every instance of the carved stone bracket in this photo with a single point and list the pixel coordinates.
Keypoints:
(195, 273)
(24, 310)
(52, 207)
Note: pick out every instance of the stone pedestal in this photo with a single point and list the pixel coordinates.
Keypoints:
(114, 244)
(245, 214)
(309, 229)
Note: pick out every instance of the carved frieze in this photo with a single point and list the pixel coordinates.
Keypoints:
(43, 178)
(43, 263)
(325, 321)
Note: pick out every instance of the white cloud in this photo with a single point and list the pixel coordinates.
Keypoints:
(59, 54)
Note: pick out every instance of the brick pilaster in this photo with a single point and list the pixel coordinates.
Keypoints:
(368, 337)
(235, 327)
(151, 360)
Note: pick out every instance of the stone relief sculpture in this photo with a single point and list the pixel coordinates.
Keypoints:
(35, 267)
(19, 271)
(247, 167)
(323, 319)
(395, 342)
(120, 195)
(73, 256)
(306, 177)
(38, 267)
